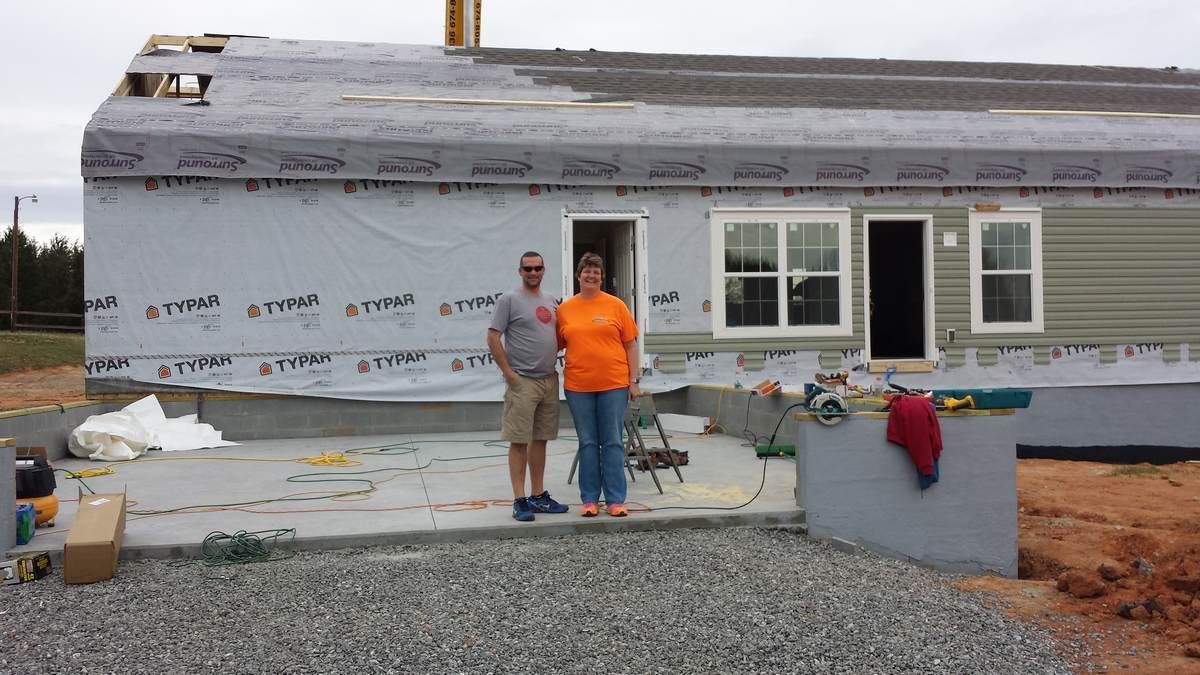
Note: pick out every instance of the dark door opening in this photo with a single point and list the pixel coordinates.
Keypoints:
(612, 240)
(897, 277)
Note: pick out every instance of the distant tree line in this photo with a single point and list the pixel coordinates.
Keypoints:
(50, 279)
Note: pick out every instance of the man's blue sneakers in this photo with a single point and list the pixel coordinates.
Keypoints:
(543, 503)
(523, 509)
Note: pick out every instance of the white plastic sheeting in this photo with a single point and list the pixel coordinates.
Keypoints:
(383, 290)
(140, 426)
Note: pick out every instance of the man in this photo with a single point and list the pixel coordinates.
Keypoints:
(528, 358)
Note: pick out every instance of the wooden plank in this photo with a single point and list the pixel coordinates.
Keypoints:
(124, 86)
(158, 40)
(38, 326)
(1098, 113)
(206, 41)
(877, 415)
(129, 397)
(623, 105)
(163, 86)
(42, 408)
(901, 366)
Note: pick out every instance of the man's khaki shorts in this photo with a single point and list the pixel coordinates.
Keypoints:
(530, 410)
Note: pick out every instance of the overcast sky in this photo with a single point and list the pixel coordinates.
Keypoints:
(61, 59)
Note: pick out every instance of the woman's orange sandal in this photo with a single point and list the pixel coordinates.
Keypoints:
(617, 510)
(589, 510)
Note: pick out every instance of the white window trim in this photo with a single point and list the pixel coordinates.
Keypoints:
(719, 216)
(974, 236)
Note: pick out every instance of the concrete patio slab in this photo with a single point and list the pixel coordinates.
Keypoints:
(405, 489)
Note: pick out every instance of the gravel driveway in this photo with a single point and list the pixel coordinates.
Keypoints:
(682, 601)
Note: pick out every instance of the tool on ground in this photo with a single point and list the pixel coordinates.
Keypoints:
(635, 444)
(25, 524)
(34, 477)
(45, 509)
(940, 401)
(828, 407)
(951, 403)
(822, 399)
(25, 568)
(775, 450)
(990, 398)
(838, 379)
(766, 388)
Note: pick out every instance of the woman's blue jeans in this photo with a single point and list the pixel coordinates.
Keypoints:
(599, 421)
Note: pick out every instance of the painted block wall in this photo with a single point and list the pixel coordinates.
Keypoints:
(8, 497)
(1118, 415)
(49, 426)
(856, 486)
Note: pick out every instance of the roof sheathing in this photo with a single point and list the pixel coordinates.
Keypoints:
(275, 109)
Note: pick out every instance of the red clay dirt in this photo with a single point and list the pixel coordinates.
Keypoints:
(1123, 545)
(1109, 562)
(30, 388)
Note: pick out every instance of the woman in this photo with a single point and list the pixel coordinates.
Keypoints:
(600, 378)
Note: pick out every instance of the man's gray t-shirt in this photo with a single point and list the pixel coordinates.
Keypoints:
(527, 322)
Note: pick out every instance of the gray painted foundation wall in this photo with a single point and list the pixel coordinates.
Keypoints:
(1068, 416)
(1116, 415)
(854, 485)
(8, 498)
(1158, 414)
(252, 419)
(736, 410)
(50, 428)
(261, 418)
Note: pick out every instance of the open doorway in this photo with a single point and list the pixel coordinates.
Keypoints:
(898, 284)
(620, 239)
(612, 240)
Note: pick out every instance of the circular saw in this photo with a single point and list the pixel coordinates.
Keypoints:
(829, 408)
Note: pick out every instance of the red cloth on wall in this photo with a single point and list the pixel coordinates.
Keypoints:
(913, 425)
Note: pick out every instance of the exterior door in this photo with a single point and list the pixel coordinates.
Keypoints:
(898, 288)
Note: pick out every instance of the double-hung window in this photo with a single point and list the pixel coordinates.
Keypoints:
(780, 273)
(1006, 271)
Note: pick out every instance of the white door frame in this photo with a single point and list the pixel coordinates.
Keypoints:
(641, 290)
(927, 267)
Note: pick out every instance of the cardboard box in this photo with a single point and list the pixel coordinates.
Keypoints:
(90, 553)
(26, 568)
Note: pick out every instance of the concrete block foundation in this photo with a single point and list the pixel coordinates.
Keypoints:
(8, 495)
(855, 486)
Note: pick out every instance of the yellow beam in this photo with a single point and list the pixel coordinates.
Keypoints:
(163, 86)
(1098, 113)
(621, 105)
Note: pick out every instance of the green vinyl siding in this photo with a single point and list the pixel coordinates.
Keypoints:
(1115, 276)
(1110, 276)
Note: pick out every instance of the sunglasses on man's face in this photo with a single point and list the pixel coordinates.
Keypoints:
(532, 268)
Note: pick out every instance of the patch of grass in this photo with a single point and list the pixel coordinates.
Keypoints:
(28, 350)
(1136, 470)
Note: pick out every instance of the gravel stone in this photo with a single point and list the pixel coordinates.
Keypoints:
(736, 600)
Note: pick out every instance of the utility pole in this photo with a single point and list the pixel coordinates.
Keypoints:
(14, 241)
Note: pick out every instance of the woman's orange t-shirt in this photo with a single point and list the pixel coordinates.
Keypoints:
(595, 332)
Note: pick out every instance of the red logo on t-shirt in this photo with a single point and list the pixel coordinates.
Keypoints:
(543, 314)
